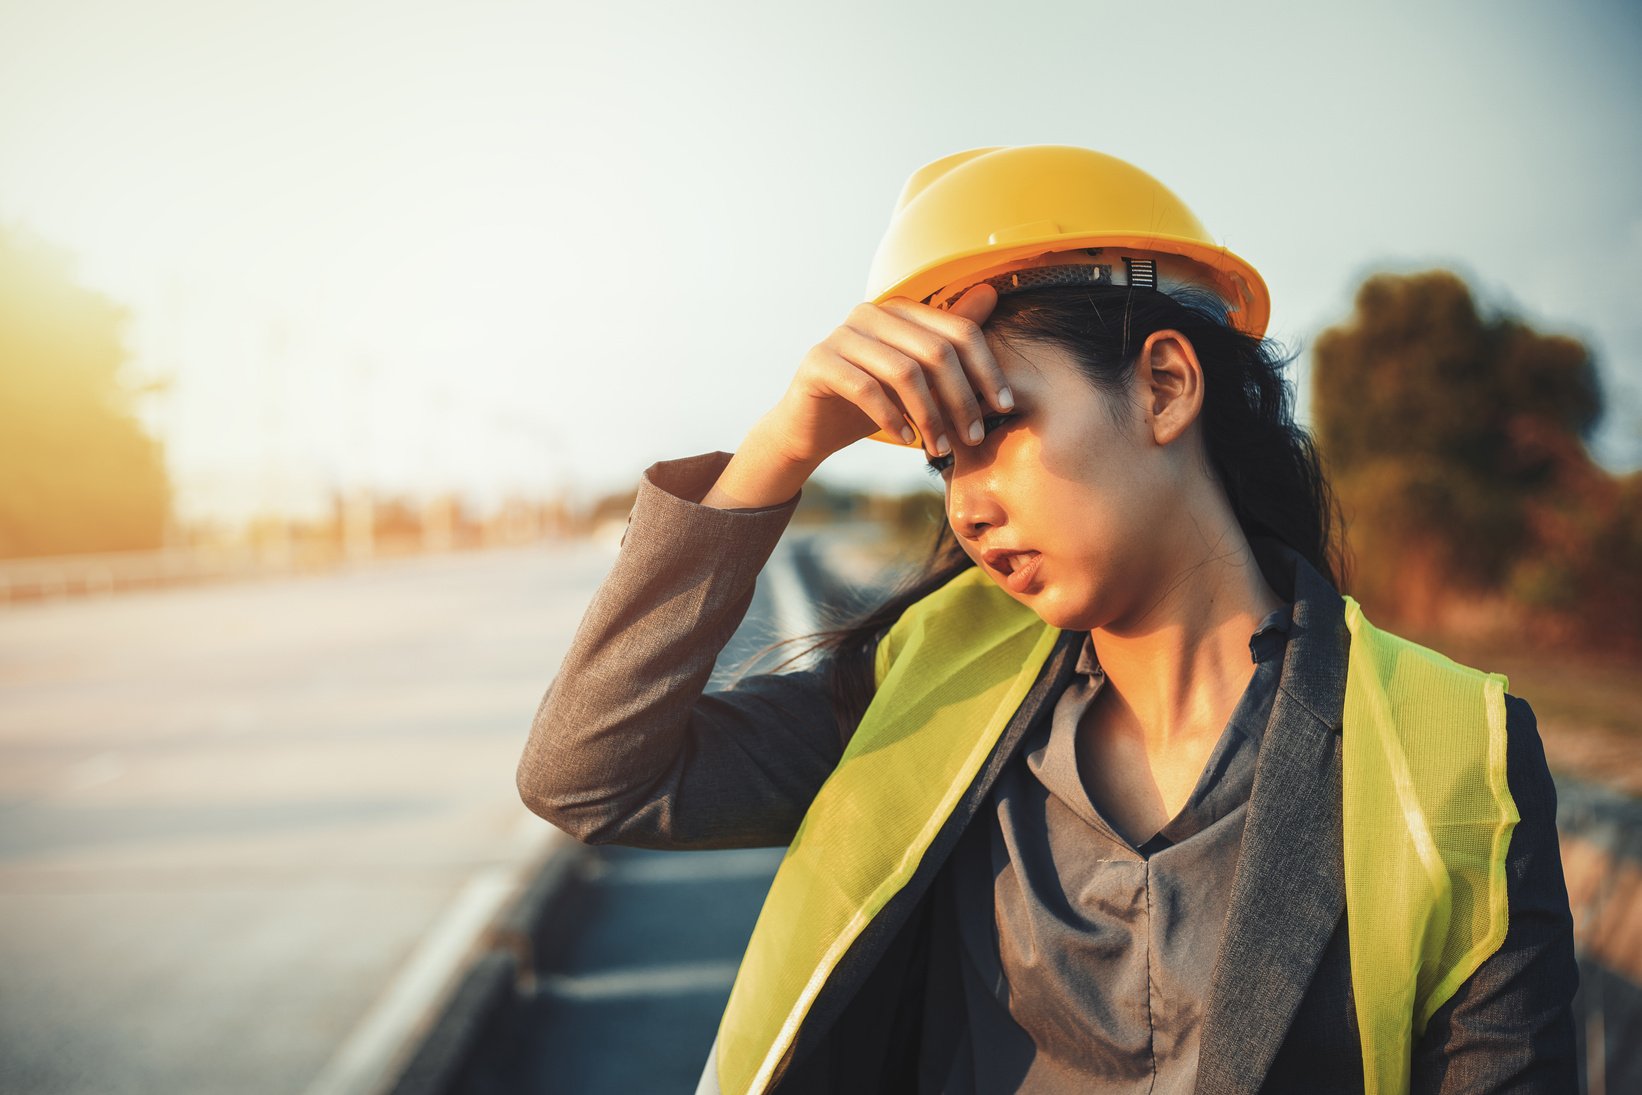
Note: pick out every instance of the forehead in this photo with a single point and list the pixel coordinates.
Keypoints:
(1033, 366)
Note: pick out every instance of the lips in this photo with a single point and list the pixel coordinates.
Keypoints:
(1016, 567)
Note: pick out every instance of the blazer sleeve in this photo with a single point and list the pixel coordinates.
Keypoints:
(625, 747)
(1509, 1027)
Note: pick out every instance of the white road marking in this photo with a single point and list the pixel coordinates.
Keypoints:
(793, 607)
(679, 978)
(687, 867)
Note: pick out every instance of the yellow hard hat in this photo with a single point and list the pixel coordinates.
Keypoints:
(1036, 212)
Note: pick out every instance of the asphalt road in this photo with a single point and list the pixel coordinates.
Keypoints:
(632, 997)
(245, 828)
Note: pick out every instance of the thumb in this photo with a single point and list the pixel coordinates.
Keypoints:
(976, 302)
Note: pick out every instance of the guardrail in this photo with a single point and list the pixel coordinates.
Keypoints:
(49, 577)
(53, 576)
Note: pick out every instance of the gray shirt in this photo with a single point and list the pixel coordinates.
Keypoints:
(1080, 957)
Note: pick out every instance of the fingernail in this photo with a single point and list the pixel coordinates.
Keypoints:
(976, 432)
(942, 445)
(1006, 399)
(906, 434)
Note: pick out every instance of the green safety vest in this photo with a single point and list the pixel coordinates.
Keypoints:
(1423, 744)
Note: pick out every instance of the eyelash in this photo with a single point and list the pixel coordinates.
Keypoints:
(937, 464)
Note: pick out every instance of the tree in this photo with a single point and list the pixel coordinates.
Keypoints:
(80, 473)
(1457, 445)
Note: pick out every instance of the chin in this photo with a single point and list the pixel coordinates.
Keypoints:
(1056, 613)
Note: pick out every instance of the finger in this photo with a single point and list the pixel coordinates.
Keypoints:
(863, 389)
(926, 340)
(902, 376)
(975, 305)
(961, 327)
(976, 302)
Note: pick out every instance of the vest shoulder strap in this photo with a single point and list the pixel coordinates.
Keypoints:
(1427, 819)
(951, 672)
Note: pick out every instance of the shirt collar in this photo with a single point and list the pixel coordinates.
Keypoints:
(1266, 641)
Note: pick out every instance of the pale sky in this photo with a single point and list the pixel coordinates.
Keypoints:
(498, 246)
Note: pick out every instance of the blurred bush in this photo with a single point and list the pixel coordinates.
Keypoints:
(1457, 444)
(80, 473)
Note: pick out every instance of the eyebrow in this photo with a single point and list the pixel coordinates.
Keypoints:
(929, 461)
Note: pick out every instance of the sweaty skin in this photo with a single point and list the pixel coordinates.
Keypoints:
(1135, 542)
(1138, 546)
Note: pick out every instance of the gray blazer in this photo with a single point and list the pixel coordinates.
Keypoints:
(627, 748)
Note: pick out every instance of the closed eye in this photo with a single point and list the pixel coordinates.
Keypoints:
(937, 465)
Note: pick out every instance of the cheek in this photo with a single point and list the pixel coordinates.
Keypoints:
(1097, 512)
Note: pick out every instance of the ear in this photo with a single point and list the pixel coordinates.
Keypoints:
(1171, 381)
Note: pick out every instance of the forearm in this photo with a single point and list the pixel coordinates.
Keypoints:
(757, 475)
(624, 746)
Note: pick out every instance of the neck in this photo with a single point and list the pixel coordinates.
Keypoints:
(1176, 668)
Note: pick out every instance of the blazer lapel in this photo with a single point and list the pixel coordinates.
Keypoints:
(1288, 891)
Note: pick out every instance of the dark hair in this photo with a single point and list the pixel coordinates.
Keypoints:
(1267, 465)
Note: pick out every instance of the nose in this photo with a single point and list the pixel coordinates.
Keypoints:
(971, 505)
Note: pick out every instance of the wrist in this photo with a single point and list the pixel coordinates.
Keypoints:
(766, 444)
(759, 474)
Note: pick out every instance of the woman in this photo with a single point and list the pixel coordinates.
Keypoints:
(1079, 808)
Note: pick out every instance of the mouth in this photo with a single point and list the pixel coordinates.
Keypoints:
(1015, 569)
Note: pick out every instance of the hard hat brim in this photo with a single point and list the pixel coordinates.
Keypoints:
(1247, 297)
